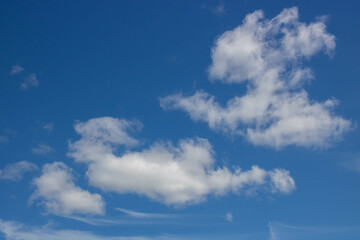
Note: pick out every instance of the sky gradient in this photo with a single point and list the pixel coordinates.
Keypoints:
(179, 120)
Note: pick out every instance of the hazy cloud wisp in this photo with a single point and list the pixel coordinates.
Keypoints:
(16, 171)
(42, 149)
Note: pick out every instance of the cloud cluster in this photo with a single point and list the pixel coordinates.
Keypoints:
(174, 175)
(56, 190)
(276, 111)
(16, 171)
(30, 80)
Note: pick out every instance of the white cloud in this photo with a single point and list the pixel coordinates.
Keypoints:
(219, 9)
(49, 127)
(350, 161)
(280, 231)
(55, 189)
(96, 221)
(108, 129)
(30, 81)
(174, 175)
(353, 165)
(229, 217)
(259, 47)
(16, 171)
(16, 231)
(16, 69)
(276, 111)
(42, 149)
(282, 181)
(135, 214)
(12, 230)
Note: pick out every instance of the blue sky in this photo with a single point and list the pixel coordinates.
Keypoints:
(179, 120)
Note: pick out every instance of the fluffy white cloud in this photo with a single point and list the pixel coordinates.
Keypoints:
(275, 111)
(174, 175)
(259, 47)
(108, 129)
(16, 171)
(42, 149)
(282, 181)
(55, 189)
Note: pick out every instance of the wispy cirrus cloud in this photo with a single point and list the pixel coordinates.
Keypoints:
(219, 9)
(174, 175)
(97, 221)
(268, 56)
(353, 165)
(216, 9)
(42, 149)
(136, 214)
(280, 231)
(350, 161)
(49, 127)
(30, 80)
(16, 231)
(12, 230)
(16, 171)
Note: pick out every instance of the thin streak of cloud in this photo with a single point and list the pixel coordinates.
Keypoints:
(12, 230)
(280, 231)
(352, 165)
(350, 161)
(17, 231)
(144, 215)
(97, 221)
